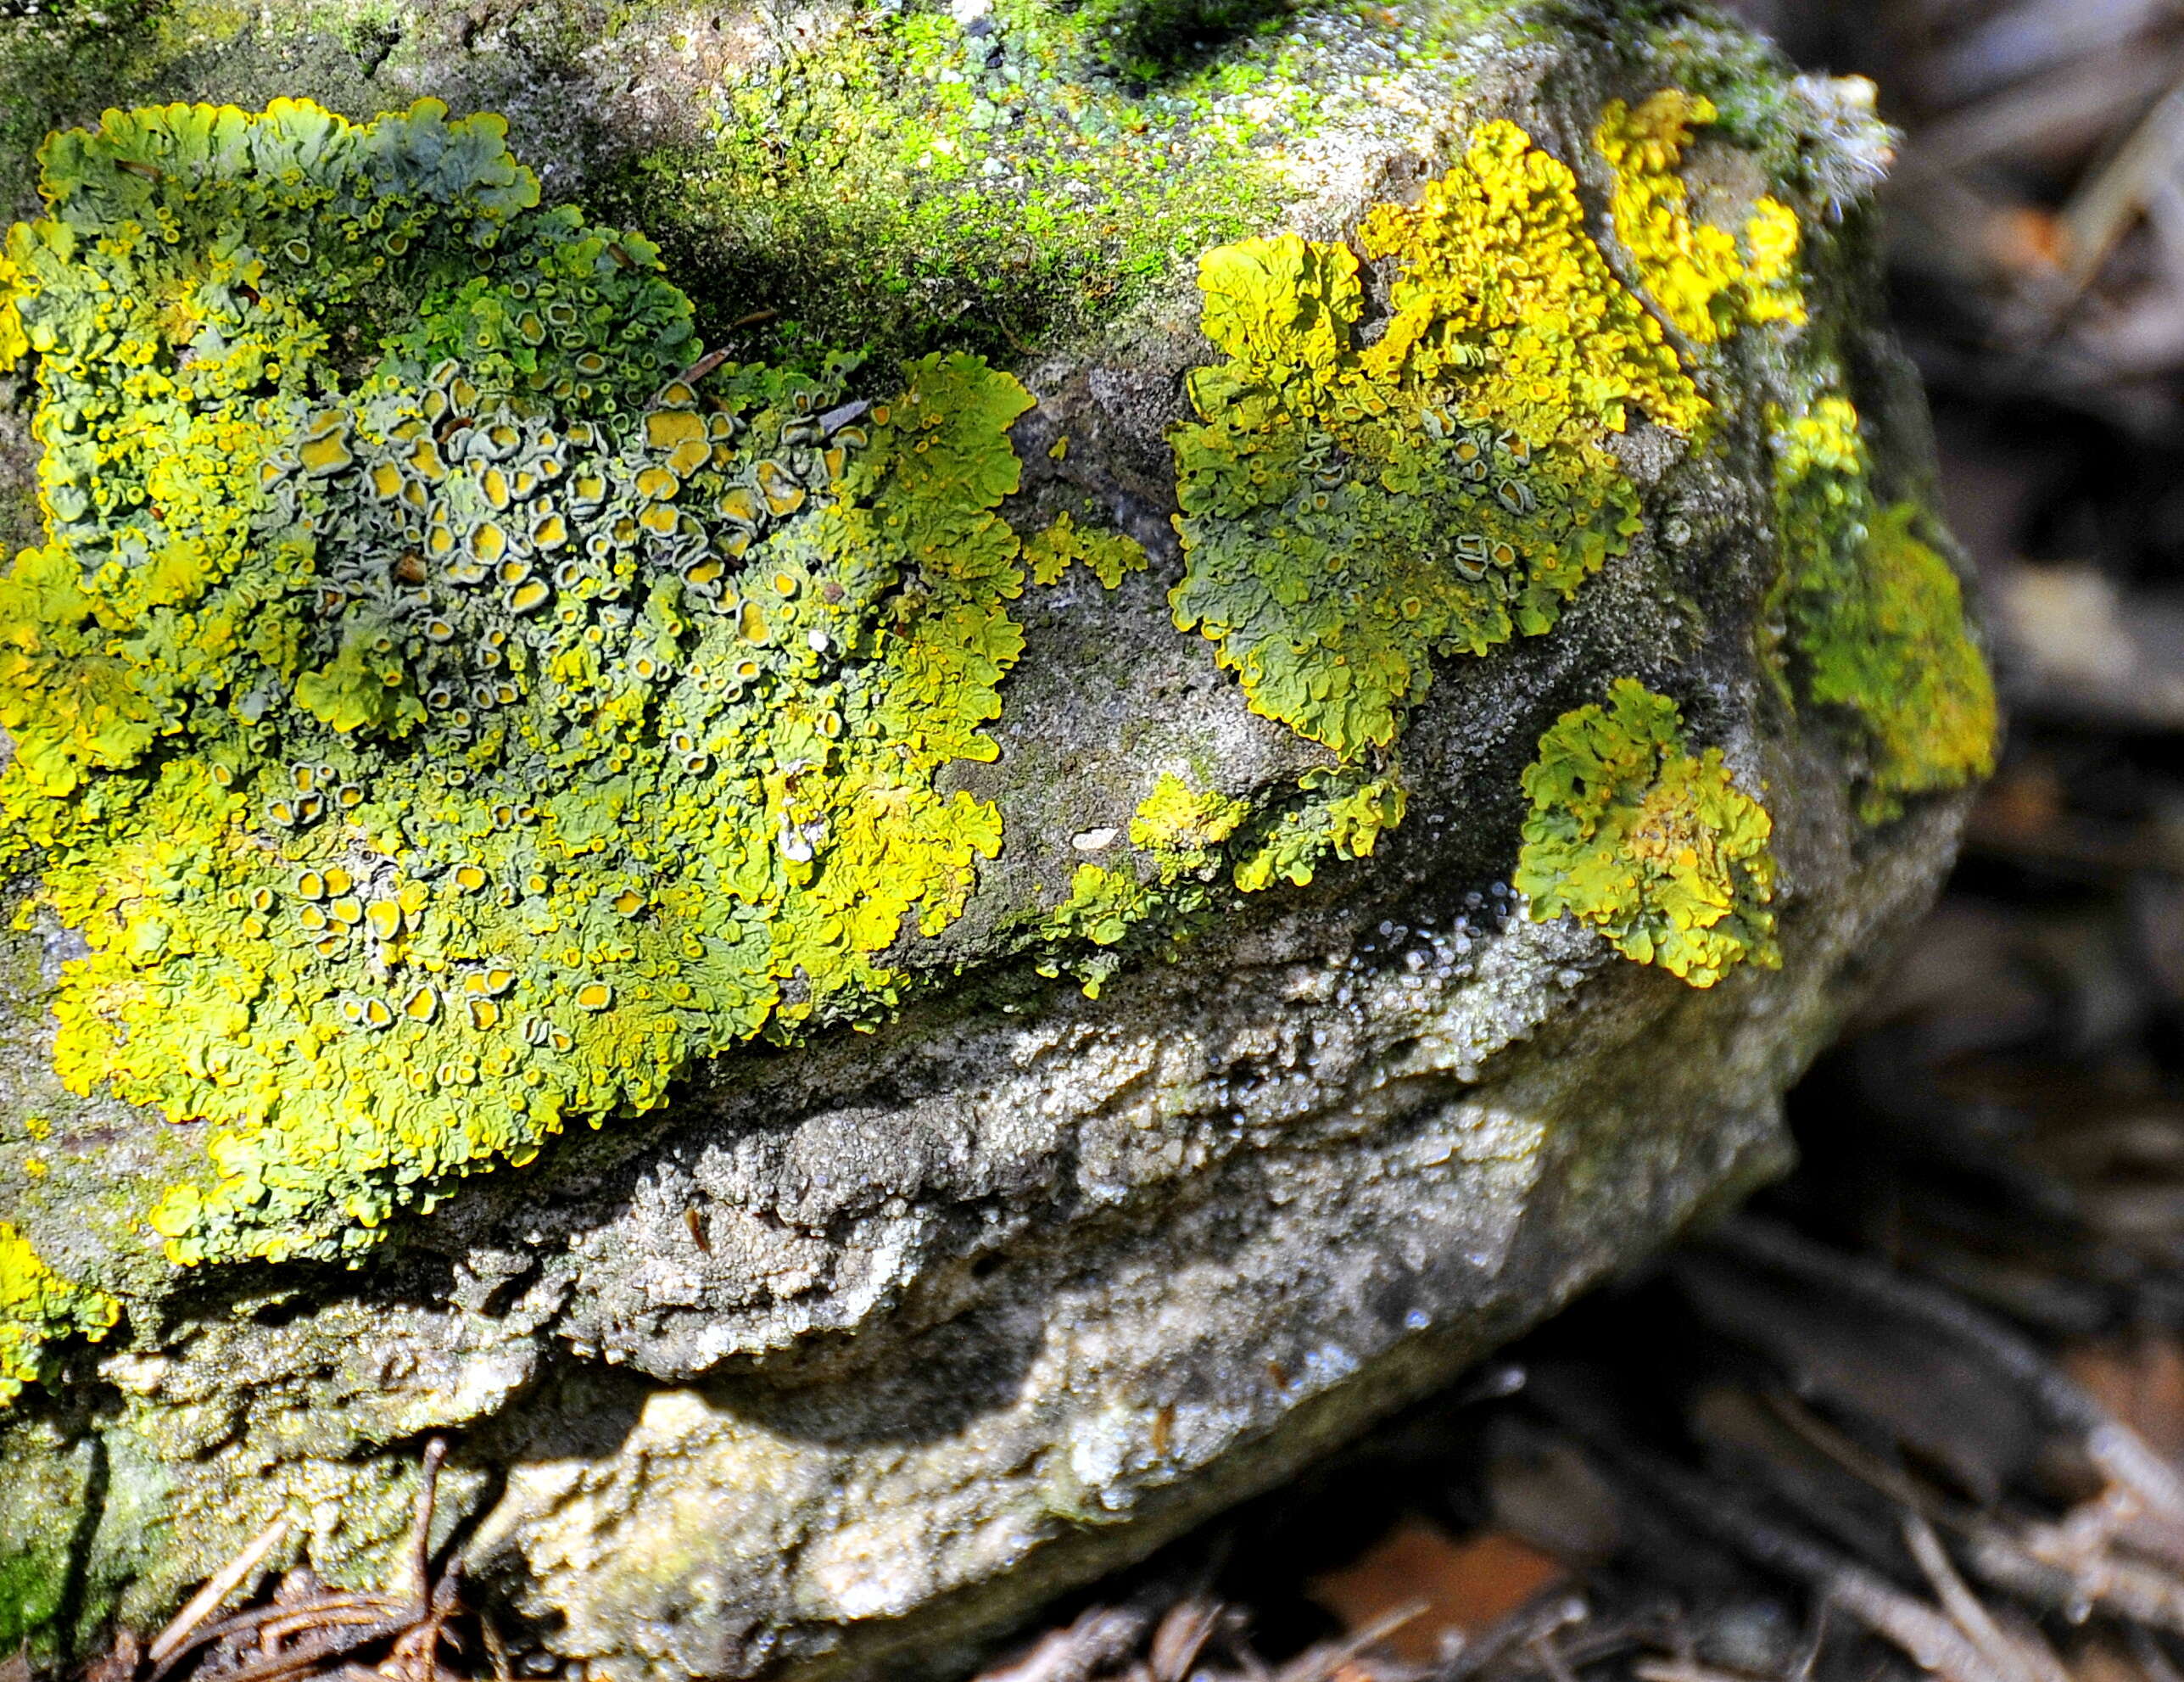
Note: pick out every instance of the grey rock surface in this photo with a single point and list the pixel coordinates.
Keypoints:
(843, 1360)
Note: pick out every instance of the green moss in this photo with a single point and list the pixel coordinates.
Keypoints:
(441, 720)
(1148, 40)
(33, 1586)
(890, 188)
(38, 1308)
(1656, 847)
(1705, 280)
(1875, 619)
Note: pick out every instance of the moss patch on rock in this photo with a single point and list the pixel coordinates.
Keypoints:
(916, 180)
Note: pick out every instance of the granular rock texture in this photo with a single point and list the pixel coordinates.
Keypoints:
(1150, 722)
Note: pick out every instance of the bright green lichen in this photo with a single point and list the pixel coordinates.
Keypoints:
(440, 718)
(38, 1308)
(1102, 907)
(13, 347)
(1343, 817)
(1183, 827)
(1350, 509)
(1875, 619)
(1185, 840)
(1694, 271)
(1179, 837)
(1108, 555)
(1656, 847)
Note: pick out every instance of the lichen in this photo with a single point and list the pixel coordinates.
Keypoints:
(1189, 845)
(1108, 555)
(13, 346)
(1182, 827)
(1103, 906)
(1351, 509)
(1705, 280)
(1874, 619)
(1354, 504)
(38, 1308)
(441, 719)
(1345, 810)
(1655, 846)
(1178, 856)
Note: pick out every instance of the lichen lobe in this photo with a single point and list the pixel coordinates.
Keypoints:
(1655, 846)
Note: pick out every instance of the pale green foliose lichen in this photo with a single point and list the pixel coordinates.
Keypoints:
(1108, 555)
(1875, 619)
(38, 1308)
(1655, 846)
(441, 719)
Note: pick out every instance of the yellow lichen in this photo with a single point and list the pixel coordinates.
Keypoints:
(1103, 906)
(1875, 619)
(433, 752)
(1182, 827)
(1351, 508)
(1656, 847)
(13, 346)
(1695, 272)
(1355, 503)
(1179, 837)
(1343, 816)
(38, 1307)
(1108, 555)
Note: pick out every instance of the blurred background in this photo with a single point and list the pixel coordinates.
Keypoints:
(1920, 1410)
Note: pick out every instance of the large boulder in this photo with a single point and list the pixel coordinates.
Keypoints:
(878, 981)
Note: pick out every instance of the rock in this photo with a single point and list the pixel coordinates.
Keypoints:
(880, 983)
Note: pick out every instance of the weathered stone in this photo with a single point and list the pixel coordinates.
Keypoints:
(861, 1343)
